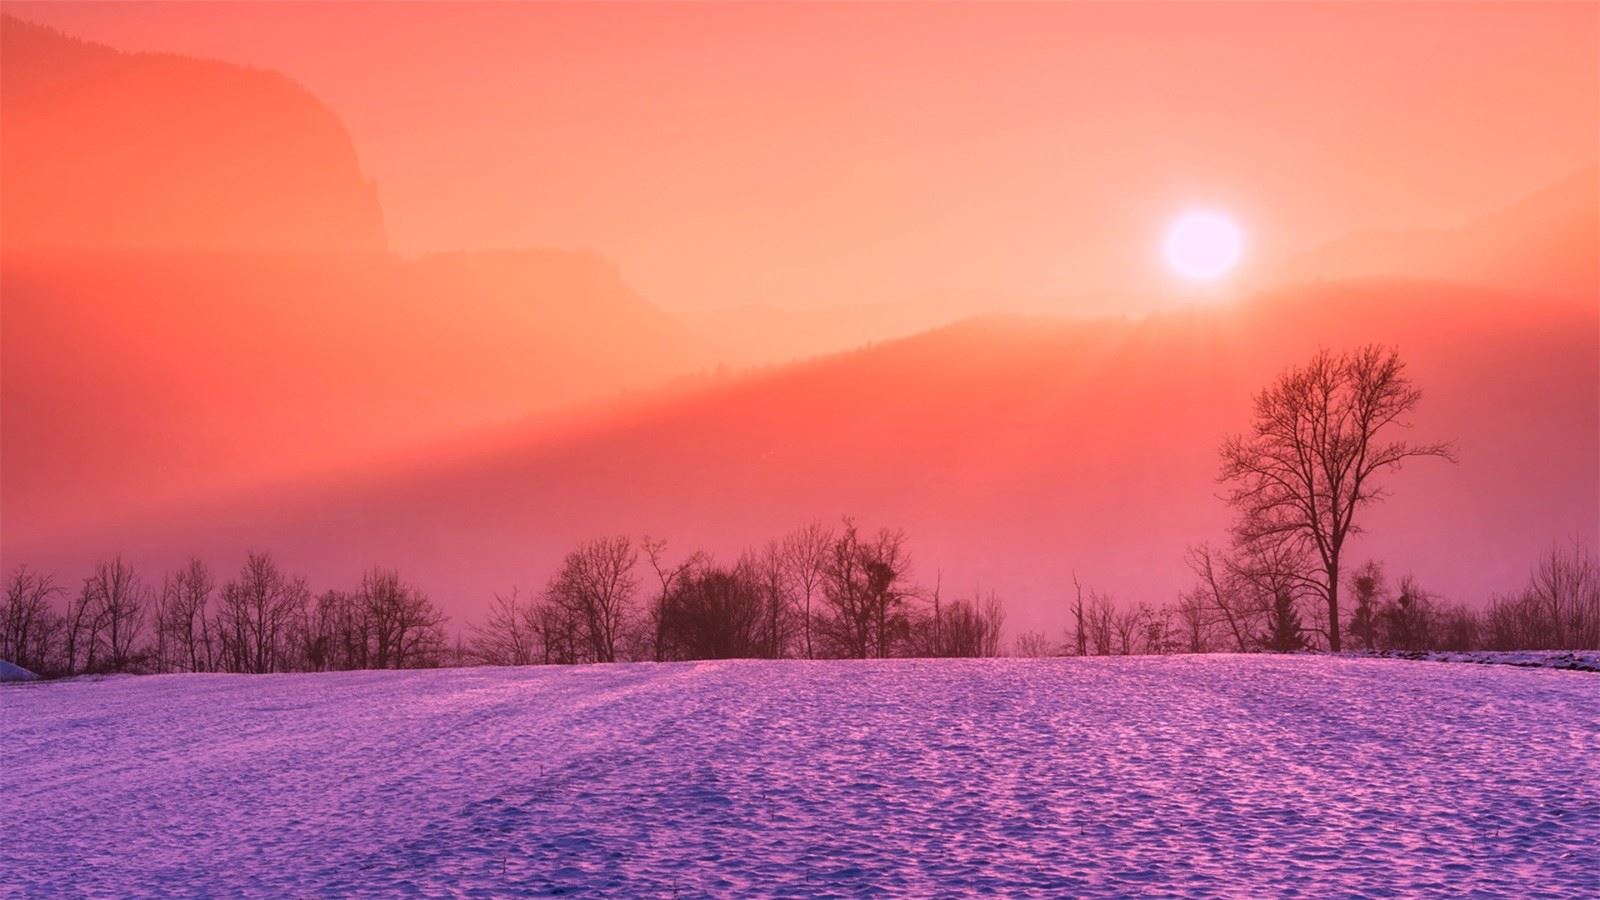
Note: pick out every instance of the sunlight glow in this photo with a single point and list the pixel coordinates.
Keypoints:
(1203, 246)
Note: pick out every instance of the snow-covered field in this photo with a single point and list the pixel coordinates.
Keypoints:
(1242, 775)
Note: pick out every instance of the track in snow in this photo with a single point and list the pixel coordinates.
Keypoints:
(1246, 775)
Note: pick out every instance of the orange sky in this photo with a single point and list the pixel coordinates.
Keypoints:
(818, 155)
(188, 368)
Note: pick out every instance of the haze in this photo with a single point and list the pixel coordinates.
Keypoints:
(455, 286)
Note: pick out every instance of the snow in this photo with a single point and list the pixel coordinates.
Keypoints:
(10, 671)
(1574, 660)
(1248, 775)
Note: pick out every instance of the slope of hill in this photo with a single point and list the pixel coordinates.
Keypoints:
(1013, 450)
(1064, 777)
(758, 334)
(132, 376)
(1547, 242)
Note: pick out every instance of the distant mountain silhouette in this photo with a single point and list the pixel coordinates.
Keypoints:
(764, 334)
(196, 291)
(105, 149)
(1547, 242)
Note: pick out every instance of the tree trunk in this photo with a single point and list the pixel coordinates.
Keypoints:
(809, 653)
(1333, 607)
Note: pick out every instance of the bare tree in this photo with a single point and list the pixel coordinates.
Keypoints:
(1315, 453)
(256, 616)
(382, 596)
(1157, 635)
(1080, 636)
(959, 628)
(770, 571)
(1101, 615)
(83, 634)
(163, 654)
(595, 586)
(1032, 644)
(1558, 609)
(806, 552)
(29, 625)
(342, 632)
(1195, 622)
(1126, 623)
(1408, 622)
(1218, 591)
(1565, 585)
(509, 635)
(118, 602)
(866, 588)
(322, 645)
(931, 643)
(184, 622)
(1457, 628)
(1271, 580)
(561, 638)
(667, 577)
(984, 623)
(407, 630)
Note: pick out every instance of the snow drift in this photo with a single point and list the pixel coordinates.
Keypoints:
(12, 672)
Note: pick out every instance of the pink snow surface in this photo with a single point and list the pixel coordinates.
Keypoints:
(1189, 775)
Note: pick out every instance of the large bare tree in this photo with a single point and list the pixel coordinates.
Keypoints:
(595, 587)
(1321, 440)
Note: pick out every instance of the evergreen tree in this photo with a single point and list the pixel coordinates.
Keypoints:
(1283, 625)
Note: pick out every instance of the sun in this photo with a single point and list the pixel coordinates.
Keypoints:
(1203, 246)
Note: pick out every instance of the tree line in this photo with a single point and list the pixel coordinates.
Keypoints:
(1239, 610)
(1324, 438)
(818, 592)
(260, 620)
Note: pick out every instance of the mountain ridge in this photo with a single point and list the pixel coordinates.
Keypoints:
(109, 149)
